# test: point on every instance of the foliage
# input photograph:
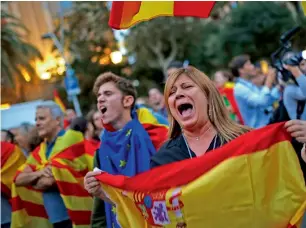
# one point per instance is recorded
(16, 54)
(209, 44)
(248, 27)
(254, 28)
(88, 44)
(158, 42)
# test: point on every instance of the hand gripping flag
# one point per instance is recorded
(11, 159)
(125, 14)
(253, 181)
(70, 159)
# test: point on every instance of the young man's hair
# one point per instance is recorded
(124, 85)
(238, 63)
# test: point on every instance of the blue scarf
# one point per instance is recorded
(125, 152)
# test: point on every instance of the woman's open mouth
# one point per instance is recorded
(185, 109)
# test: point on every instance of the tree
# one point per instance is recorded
(254, 28)
(156, 43)
(16, 54)
(89, 42)
(209, 44)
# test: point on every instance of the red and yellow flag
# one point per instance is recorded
(228, 92)
(11, 159)
(58, 101)
(70, 161)
(245, 183)
(125, 14)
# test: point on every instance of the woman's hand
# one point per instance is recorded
(303, 153)
(297, 129)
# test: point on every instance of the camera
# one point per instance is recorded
(296, 59)
(285, 55)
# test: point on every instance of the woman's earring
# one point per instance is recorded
(210, 113)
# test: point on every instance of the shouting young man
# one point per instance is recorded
(131, 136)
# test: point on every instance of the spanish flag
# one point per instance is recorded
(70, 162)
(228, 92)
(11, 159)
(125, 14)
(58, 101)
(253, 181)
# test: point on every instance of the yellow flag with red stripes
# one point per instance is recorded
(11, 159)
(253, 181)
(71, 158)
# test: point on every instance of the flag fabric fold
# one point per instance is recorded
(228, 92)
(245, 183)
(125, 14)
(70, 160)
(59, 101)
(11, 159)
(157, 132)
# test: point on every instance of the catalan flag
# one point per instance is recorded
(58, 101)
(125, 14)
(245, 183)
(11, 159)
(70, 161)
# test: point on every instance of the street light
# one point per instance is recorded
(116, 57)
(45, 75)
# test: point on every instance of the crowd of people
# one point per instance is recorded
(127, 135)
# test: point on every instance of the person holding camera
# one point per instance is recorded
(295, 93)
(252, 102)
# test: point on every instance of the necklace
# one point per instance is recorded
(198, 137)
(188, 148)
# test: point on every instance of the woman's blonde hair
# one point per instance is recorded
(218, 115)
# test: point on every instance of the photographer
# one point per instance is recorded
(295, 94)
(252, 101)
